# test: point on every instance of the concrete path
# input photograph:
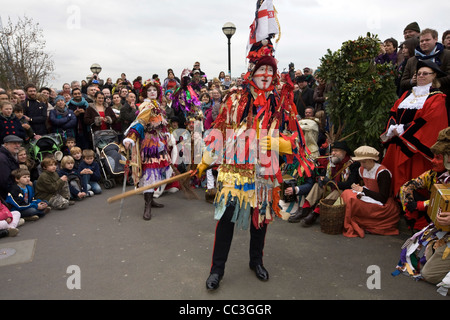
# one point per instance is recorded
(85, 253)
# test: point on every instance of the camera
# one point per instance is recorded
(292, 183)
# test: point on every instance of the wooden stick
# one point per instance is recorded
(152, 186)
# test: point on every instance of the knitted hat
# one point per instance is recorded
(412, 26)
(266, 60)
(442, 145)
(366, 153)
(59, 98)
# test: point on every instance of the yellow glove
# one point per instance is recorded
(268, 143)
(207, 160)
(201, 168)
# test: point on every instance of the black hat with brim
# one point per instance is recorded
(432, 65)
(341, 145)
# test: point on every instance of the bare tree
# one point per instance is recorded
(22, 54)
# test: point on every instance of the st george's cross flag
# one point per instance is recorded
(265, 24)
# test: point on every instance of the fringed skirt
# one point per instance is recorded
(155, 159)
(250, 196)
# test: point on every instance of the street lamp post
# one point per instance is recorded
(95, 69)
(229, 29)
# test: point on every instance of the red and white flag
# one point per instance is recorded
(264, 25)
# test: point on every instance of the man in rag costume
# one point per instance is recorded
(249, 182)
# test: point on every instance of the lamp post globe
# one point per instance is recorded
(229, 30)
(96, 68)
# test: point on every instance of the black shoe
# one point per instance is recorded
(212, 283)
(299, 215)
(155, 204)
(310, 219)
(4, 233)
(261, 272)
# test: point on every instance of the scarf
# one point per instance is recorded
(433, 56)
(83, 103)
(205, 107)
(61, 113)
(338, 172)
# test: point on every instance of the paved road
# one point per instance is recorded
(169, 257)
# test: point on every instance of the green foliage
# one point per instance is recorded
(362, 92)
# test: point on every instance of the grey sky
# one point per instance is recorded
(147, 37)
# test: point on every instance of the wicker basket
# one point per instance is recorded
(332, 216)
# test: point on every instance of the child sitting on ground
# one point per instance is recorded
(76, 154)
(76, 189)
(51, 187)
(21, 197)
(90, 172)
(9, 221)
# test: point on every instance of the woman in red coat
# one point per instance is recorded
(413, 127)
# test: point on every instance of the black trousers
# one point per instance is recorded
(224, 237)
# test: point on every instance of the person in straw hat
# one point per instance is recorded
(426, 255)
(370, 208)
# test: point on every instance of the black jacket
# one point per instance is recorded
(37, 111)
(11, 125)
(304, 99)
(7, 164)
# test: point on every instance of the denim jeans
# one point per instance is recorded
(31, 212)
(90, 185)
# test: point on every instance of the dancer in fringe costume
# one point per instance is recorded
(150, 140)
(249, 183)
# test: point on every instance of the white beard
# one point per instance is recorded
(335, 160)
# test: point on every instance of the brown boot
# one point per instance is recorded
(155, 204)
(148, 197)
(310, 219)
(299, 215)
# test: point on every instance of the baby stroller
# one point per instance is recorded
(46, 144)
(106, 145)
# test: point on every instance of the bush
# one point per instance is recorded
(363, 92)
